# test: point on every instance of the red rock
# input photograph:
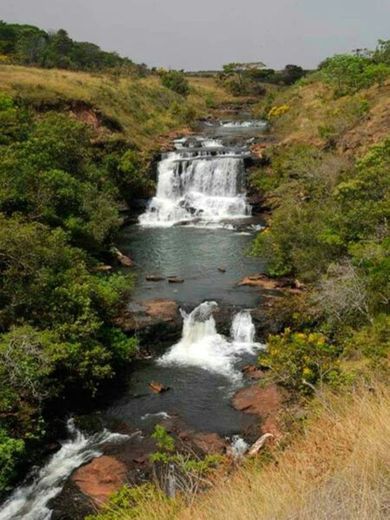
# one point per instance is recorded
(253, 372)
(265, 402)
(157, 388)
(258, 401)
(100, 478)
(209, 443)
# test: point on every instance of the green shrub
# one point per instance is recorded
(300, 360)
(175, 80)
(11, 450)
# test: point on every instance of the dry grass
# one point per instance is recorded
(339, 469)
(312, 106)
(142, 108)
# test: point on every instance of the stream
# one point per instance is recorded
(198, 228)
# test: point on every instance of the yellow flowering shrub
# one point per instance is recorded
(300, 360)
(278, 110)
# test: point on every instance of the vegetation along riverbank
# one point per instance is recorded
(81, 131)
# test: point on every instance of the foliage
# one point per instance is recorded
(248, 78)
(278, 111)
(371, 341)
(10, 451)
(175, 80)
(349, 73)
(129, 503)
(301, 360)
(58, 211)
(163, 440)
(29, 45)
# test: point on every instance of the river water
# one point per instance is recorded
(197, 227)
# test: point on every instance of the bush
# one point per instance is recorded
(300, 360)
(11, 450)
(175, 80)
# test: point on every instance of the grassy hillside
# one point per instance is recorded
(137, 110)
(310, 113)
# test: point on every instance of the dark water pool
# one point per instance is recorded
(194, 254)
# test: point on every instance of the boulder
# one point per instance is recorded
(209, 443)
(257, 400)
(221, 269)
(124, 260)
(154, 278)
(158, 388)
(100, 478)
(152, 320)
(175, 279)
(252, 372)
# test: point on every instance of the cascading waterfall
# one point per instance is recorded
(30, 501)
(202, 181)
(201, 345)
(243, 329)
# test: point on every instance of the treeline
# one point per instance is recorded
(59, 201)
(249, 78)
(29, 45)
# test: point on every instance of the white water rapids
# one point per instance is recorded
(30, 501)
(202, 181)
(201, 345)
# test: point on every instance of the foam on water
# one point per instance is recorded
(203, 347)
(201, 181)
(30, 501)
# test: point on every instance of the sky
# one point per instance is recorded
(205, 34)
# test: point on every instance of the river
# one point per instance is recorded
(197, 228)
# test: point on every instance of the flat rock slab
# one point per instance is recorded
(209, 443)
(100, 478)
(149, 313)
(258, 401)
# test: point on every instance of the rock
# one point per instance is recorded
(252, 372)
(209, 443)
(257, 400)
(264, 402)
(175, 279)
(124, 260)
(103, 268)
(151, 318)
(272, 284)
(221, 269)
(154, 278)
(259, 280)
(158, 388)
(100, 478)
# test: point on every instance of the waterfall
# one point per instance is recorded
(243, 329)
(30, 501)
(202, 180)
(201, 345)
